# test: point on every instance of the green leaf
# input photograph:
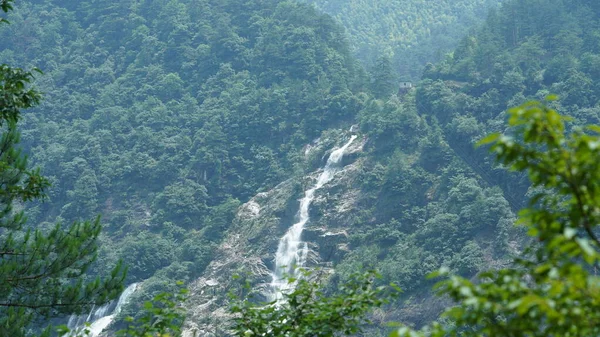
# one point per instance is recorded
(489, 139)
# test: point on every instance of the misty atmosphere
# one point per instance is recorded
(299, 168)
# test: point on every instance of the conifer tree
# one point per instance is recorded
(42, 272)
(383, 83)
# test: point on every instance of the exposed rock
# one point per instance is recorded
(249, 247)
(310, 147)
(329, 245)
(254, 223)
(212, 283)
(251, 209)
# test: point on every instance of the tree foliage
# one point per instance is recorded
(165, 115)
(552, 289)
(161, 317)
(524, 51)
(411, 32)
(42, 271)
(307, 311)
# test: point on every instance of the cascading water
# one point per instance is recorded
(101, 318)
(291, 251)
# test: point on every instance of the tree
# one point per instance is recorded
(5, 6)
(42, 271)
(384, 81)
(552, 289)
(161, 317)
(306, 311)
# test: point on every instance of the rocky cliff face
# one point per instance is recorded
(249, 248)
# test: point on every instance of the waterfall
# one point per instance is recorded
(101, 317)
(291, 251)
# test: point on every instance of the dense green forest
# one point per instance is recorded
(408, 33)
(162, 116)
(166, 116)
(525, 50)
(432, 199)
(519, 54)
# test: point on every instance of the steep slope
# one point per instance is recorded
(526, 50)
(164, 115)
(411, 33)
(251, 244)
(428, 198)
(421, 208)
(383, 210)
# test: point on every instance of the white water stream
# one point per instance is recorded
(101, 318)
(291, 251)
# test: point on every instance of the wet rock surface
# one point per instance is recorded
(250, 246)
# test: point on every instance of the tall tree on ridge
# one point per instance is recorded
(383, 83)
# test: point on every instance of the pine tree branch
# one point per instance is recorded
(44, 306)
(12, 253)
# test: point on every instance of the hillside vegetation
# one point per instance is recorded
(166, 116)
(163, 115)
(526, 50)
(408, 32)
(430, 198)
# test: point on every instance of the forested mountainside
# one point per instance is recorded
(194, 128)
(408, 33)
(526, 50)
(446, 203)
(163, 115)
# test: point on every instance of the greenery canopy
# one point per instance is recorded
(552, 289)
(166, 116)
(42, 270)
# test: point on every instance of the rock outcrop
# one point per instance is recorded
(250, 245)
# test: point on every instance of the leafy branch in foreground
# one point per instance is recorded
(550, 291)
(307, 311)
(162, 317)
(5, 6)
